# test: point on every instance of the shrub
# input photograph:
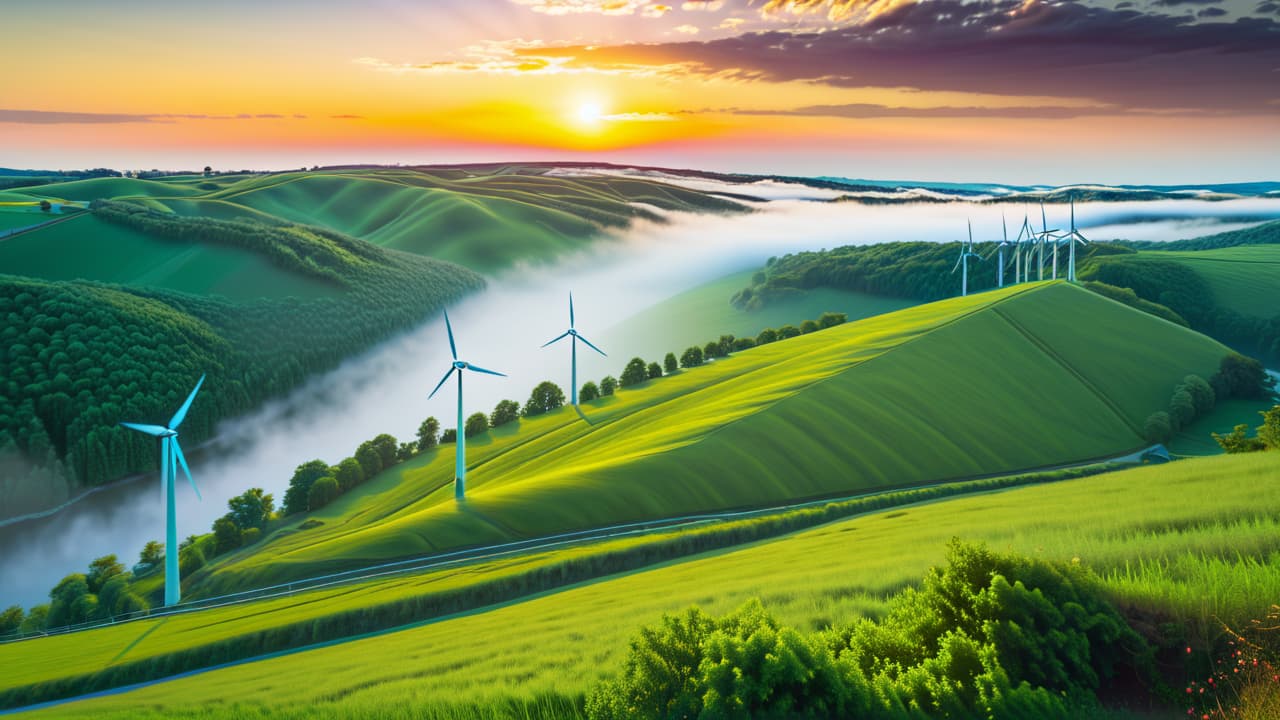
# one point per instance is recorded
(1244, 377)
(1269, 431)
(450, 435)
(152, 554)
(226, 534)
(1157, 428)
(406, 451)
(607, 385)
(808, 326)
(428, 433)
(711, 350)
(504, 412)
(670, 364)
(252, 508)
(655, 371)
(590, 391)
(477, 424)
(744, 344)
(692, 357)
(788, 331)
(370, 462)
(190, 560)
(348, 473)
(1202, 395)
(324, 491)
(11, 619)
(547, 396)
(767, 336)
(726, 345)
(831, 319)
(250, 536)
(1238, 441)
(1182, 409)
(296, 497)
(634, 373)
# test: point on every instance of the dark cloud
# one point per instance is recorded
(1268, 7)
(1124, 5)
(1211, 12)
(867, 111)
(1006, 47)
(1176, 3)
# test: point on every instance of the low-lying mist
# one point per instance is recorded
(502, 328)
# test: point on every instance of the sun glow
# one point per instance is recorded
(590, 113)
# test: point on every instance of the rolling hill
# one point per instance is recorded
(988, 384)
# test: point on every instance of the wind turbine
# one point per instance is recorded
(1025, 234)
(1046, 235)
(460, 459)
(572, 333)
(1072, 238)
(170, 457)
(999, 249)
(966, 252)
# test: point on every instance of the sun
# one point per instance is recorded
(590, 113)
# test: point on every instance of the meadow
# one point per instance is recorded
(1243, 279)
(1196, 540)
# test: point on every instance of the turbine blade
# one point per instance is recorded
(449, 328)
(181, 415)
(482, 370)
(155, 430)
(571, 310)
(441, 384)
(958, 261)
(182, 460)
(593, 347)
(1004, 224)
(558, 339)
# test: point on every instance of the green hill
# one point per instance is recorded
(1026, 377)
(111, 187)
(1243, 279)
(1189, 542)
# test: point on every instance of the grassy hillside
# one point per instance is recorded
(111, 187)
(1195, 540)
(1243, 279)
(926, 394)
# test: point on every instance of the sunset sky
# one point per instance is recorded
(983, 90)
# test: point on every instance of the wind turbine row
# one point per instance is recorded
(460, 456)
(1028, 249)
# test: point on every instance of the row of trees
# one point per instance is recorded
(1237, 377)
(102, 593)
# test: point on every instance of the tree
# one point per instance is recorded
(190, 560)
(427, 434)
(117, 599)
(101, 570)
(476, 424)
(743, 344)
(1182, 409)
(788, 331)
(726, 345)
(692, 357)
(152, 554)
(296, 497)
(808, 326)
(251, 509)
(607, 385)
(387, 447)
(370, 461)
(11, 619)
(831, 319)
(634, 373)
(504, 412)
(1202, 395)
(208, 171)
(1158, 428)
(406, 451)
(450, 435)
(1269, 431)
(547, 396)
(37, 620)
(767, 336)
(590, 391)
(1238, 441)
(1244, 377)
(45, 206)
(711, 350)
(324, 491)
(348, 473)
(226, 534)
(67, 604)
(670, 364)
(655, 370)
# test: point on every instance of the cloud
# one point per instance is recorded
(835, 10)
(732, 23)
(1268, 7)
(1034, 112)
(346, 117)
(1211, 12)
(702, 5)
(56, 117)
(687, 29)
(1017, 48)
(1178, 3)
(639, 117)
(655, 10)
(575, 7)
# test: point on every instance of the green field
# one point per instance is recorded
(755, 429)
(1197, 539)
(88, 248)
(114, 187)
(1245, 279)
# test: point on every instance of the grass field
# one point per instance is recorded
(988, 384)
(95, 188)
(1197, 539)
(1245, 279)
(88, 248)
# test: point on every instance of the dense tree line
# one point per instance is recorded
(81, 357)
(1237, 377)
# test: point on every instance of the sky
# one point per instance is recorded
(1016, 91)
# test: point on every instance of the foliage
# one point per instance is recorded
(808, 326)
(252, 508)
(297, 497)
(831, 319)
(691, 357)
(387, 448)
(767, 336)
(547, 396)
(634, 373)
(504, 412)
(226, 534)
(323, 491)
(1244, 377)
(607, 385)
(1269, 431)
(670, 364)
(1158, 427)
(589, 391)
(1129, 297)
(370, 460)
(11, 619)
(654, 371)
(152, 553)
(711, 350)
(476, 424)
(1243, 682)
(190, 559)
(449, 435)
(428, 434)
(349, 473)
(101, 570)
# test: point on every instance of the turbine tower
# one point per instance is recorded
(1045, 236)
(1026, 235)
(1072, 238)
(170, 457)
(966, 252)
(460, 459)
(576, 336)
(999, 251)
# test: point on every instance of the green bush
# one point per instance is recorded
(692, 357)
(477, 424)
(636, 372)
(607, 385)
(226, 534)
(547, 396)
(1158, 428)
(670, 364)
(504, 412)
(324, 491)
(767, 336)
(349, 472)
(590, 391)
(788, 331)
(655, 371)
(808, 326)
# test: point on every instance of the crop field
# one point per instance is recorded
(88, 248)
(1245, 279)
(753, 429)
(1197, 538)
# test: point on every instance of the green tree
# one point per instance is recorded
(476, 424)
(406, 451)
(1202, 395)
(634, 373)
(1182, 409)
(1269, 431)
(387, 447)
(670, 364)
(251, 509)
(607, 385)
(590, 391)
(226, 534)
(788, 331)
(744, 344)
(767, 336)
(67, 601)
(547, 396)
(1158, 428)
(504, 412)
(808, 326)
(1238, 441)
(655, 370)
(831, 319)
(296, 497)
(190, 560)
(427, 434)
(37, 620)
(101, 570)
(348, 473)
(1244, 377)
(726, 345)
(370, 462)
(117, 598)
(449, 435)
(11, 619)
(692, 357)
(324, 491)
(152, 554)
(711, 350)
